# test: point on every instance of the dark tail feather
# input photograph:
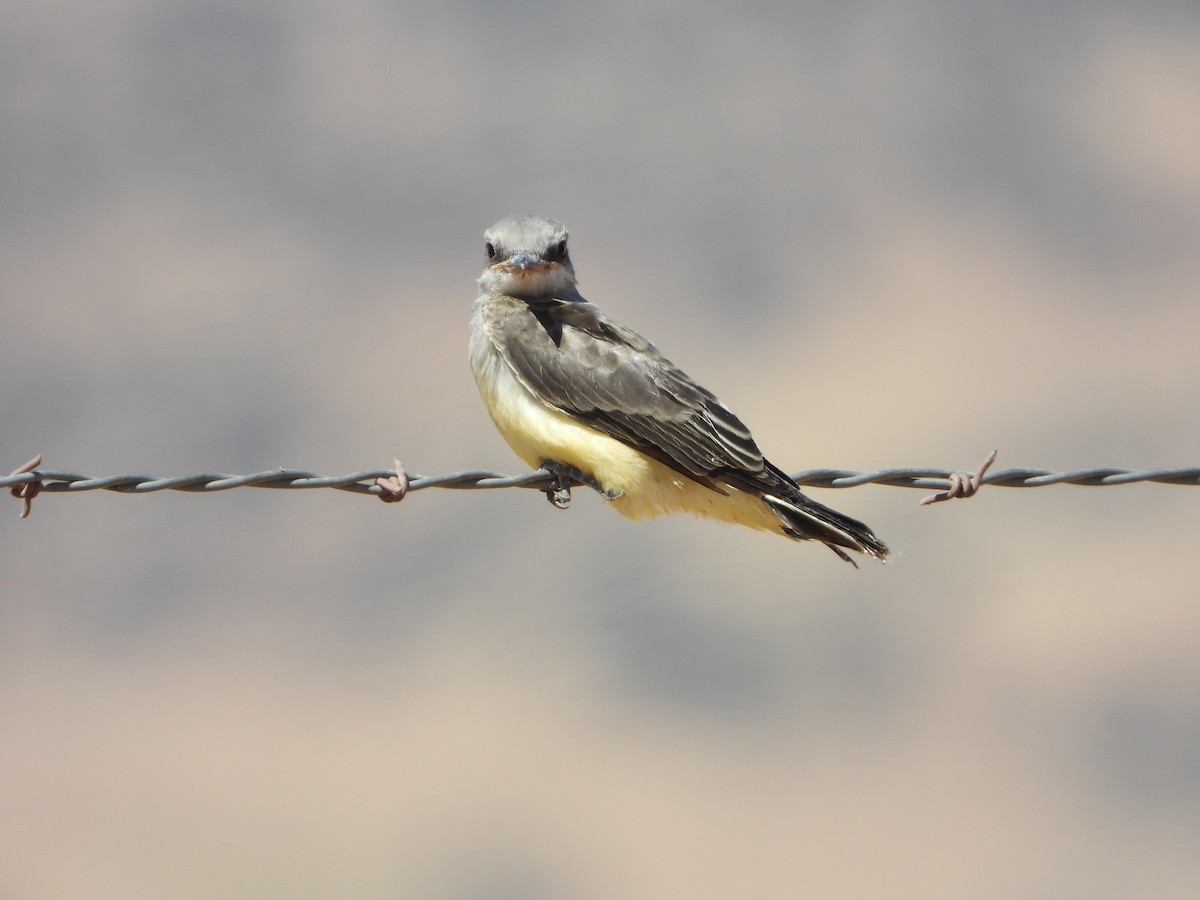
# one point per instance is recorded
(807, 520)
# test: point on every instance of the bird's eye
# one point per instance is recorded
(490, 250)
(559, 250)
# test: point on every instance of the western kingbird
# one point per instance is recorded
(591, 401)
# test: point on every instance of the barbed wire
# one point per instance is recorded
(27, 481)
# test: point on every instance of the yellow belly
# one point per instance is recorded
(645, 487)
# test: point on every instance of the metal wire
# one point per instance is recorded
(28, 480)
(57, 481)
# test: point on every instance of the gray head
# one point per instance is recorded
(527, 257)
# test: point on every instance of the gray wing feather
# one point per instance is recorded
(601, 373)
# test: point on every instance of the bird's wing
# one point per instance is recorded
(614, 380)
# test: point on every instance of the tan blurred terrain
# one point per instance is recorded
(235, 237)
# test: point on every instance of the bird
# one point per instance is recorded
(594, 403)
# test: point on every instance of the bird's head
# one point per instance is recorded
(527, 257)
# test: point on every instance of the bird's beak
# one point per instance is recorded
(523, 265)
(523, 260)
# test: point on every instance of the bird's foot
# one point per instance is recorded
(566, 477)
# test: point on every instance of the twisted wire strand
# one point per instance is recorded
(58, 481)
(363, 482)
(1100, 476)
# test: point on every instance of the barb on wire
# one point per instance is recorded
(29, 480)
(962, 485)
(393, 488)
(27, 491)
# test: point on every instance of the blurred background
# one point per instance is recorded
(240, 236)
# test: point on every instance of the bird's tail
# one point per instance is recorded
(804, 519)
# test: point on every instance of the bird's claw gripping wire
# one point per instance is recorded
(558, 492)
(566, 477)
(962, 485)
(393, 488)
(26, 492)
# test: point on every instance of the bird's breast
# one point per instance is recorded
(537, 431)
